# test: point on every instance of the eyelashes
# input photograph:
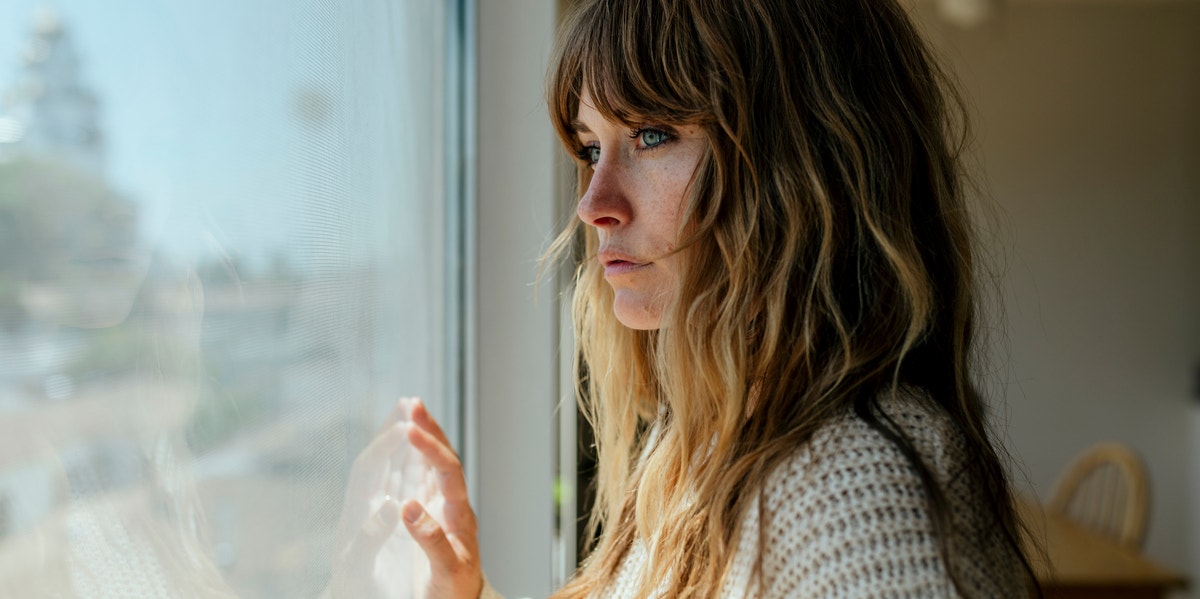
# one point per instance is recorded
(590, 155)
(651, 137)
(646, 139)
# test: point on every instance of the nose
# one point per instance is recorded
(605, 204)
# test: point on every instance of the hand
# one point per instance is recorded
(371, 561)
(445, 527)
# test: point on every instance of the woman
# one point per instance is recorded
(777, 310)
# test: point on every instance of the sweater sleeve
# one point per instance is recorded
(846, 518)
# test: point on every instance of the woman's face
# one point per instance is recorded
(639, 186)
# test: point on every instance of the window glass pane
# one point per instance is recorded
(223, 256)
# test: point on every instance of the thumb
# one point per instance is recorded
(430, 536)
(374, 533)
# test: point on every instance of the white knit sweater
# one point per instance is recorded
(846, 518)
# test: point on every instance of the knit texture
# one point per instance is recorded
(846, 517)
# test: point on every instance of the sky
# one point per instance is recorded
(197, 102)
(212, 110)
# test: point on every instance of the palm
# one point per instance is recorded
(409, 461)
(374, 561)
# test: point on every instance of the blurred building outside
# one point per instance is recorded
(68, 393)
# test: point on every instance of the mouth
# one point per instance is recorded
(620, 267)
(618, 264)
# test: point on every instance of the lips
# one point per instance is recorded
(618, 263)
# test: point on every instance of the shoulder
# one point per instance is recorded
(849, 459)
(847, 516)
(846, 511)
(848, 452)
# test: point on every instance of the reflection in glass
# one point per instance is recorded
(217, 273)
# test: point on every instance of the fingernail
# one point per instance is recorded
(412, 513)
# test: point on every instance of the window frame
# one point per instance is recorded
(512, 376)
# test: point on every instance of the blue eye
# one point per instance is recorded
(652, 137)
(590, 154)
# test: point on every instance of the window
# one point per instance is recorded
(231, 236)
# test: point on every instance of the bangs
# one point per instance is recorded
(639, 60)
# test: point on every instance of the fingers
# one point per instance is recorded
(374, 533)
(431, 441)
(385, 444)
(421, 417)
(400, 412)
(444, 462)
(390, 436)
(427, 437)
(430, 536)
(393, 434)
(451, 545)
(371, 470)
(453, 559)
(384, 468)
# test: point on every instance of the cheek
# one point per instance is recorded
(668, 200)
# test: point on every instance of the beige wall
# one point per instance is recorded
(1088, 127)
(514, 323)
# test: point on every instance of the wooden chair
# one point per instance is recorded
(1106, 491)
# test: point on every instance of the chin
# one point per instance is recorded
(637, 315)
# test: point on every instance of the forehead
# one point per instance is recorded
(590, 117)
(587, 116)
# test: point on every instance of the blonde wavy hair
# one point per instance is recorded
(829, 259)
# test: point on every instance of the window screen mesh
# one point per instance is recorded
(224, 253)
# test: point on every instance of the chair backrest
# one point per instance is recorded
(1106, 490)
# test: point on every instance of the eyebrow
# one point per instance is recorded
(579, 127)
